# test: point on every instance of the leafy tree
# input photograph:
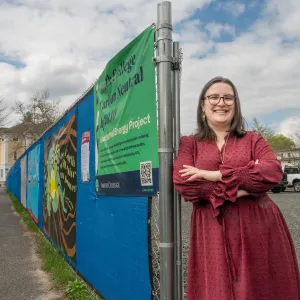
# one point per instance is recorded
(281, 142)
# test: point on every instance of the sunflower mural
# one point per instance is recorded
(56, 192)
(59, 209)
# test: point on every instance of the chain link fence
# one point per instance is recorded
(154, 238)
(184, 219)
(154, 224)
(154, 247)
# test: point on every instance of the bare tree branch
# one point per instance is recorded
(294, 155)
(4, 113)
(37, 114)
(263, 130)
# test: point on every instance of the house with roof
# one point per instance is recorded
(14, 141)
(289, 157)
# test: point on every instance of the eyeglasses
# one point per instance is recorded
(215, 99)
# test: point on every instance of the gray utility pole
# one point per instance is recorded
(164, 61)
(177, 198)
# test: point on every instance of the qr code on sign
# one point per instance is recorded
(146, 173)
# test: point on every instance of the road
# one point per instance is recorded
(288, 202)
(20, 275)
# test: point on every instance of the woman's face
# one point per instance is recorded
(219, 111)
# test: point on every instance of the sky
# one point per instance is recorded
(65, 45)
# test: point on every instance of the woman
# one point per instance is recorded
(240, 247)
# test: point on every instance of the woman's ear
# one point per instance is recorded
(202, 105)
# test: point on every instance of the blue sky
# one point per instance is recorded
(243, 18)
(221, 12)
(11, 61)
(64, 46)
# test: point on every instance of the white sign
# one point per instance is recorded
(85, 156)
(23, 180)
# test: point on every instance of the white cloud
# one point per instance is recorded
(66, 44)
(290, 126)
(216, 29)
(253, 3)
(264, 68)
(285, 14)
(233, 7)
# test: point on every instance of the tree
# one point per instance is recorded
(281, 142)
(295, 154)
(4, 113)
(38, 113)
(263, 130)
(296, 134)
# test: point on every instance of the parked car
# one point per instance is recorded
(293, 177)
(281, 187)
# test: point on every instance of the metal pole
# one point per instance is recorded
(174, 190)
(177, 197)
(164, 62)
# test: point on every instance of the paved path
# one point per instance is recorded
(20, 274)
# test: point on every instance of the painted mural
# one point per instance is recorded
(33, 182)
(59, 208)
(23, 180)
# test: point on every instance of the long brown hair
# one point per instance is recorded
(237, 128)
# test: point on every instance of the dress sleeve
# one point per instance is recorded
(190, 191)
(261, 174)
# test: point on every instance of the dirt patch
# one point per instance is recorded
(44, 282)
(28, 233)
(15, 213)
(43, 278)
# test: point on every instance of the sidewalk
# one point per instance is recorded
(20, 274)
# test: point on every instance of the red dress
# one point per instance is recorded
(240, 249)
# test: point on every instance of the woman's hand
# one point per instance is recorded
(242, 193)
(196, 174)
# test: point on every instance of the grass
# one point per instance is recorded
(62, 274)
(23, 213)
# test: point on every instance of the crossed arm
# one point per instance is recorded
(228, 183)
(191, 173)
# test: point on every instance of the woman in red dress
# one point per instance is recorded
(240, 245)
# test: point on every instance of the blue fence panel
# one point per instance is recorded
(41, 190)
(60, 191)
(112, 232)
(33, 181)
(13, 180)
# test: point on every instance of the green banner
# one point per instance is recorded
(125, 117)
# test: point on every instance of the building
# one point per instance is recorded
(289, 157)
(13, 142)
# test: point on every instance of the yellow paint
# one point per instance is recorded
(53, 187)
